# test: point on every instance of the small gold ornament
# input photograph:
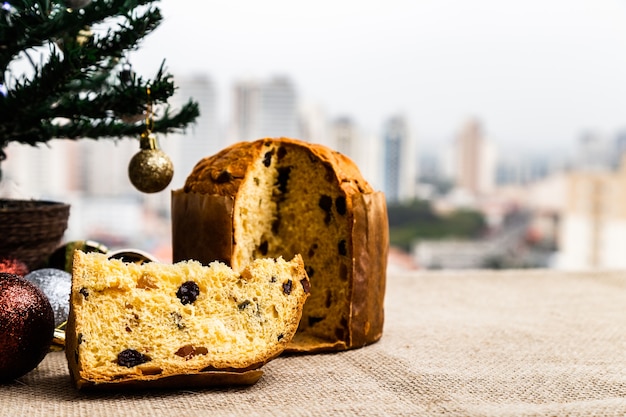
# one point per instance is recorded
(150, 170)
(66, 41)
(84, 35)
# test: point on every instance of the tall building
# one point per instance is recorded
(473, 160)
(400, 161)
(593, 222)
(519, 169)
(246, 110)
(102, 167)
(594, 152)
(314, 126)
(345, 137)
(264, 109)
(39, 172)
(200, 139)
(279, 115)
(619, 149)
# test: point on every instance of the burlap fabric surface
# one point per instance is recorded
(532, 343)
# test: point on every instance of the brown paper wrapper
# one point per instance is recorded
(202, 229)
(370, 237)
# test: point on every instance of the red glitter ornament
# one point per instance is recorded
(26, 326)
(13, 266)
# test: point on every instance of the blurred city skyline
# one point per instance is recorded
(545, 211)
(537, 74)
(516, 111)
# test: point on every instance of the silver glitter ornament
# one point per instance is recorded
(56, 284)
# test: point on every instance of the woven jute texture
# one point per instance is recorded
(515, 343)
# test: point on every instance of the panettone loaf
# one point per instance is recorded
(179, 325)
(282, 197)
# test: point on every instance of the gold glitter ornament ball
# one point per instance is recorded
(150, 170)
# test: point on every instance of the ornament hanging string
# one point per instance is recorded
(149, 114)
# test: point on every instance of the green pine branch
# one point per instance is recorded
(83, 88)
(34, 23)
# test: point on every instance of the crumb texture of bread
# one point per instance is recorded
(155, 321)
(292, 197)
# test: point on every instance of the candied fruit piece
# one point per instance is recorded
(287, 286)
(343, 250)
(146, 282)
(309, 271)
(283, 178)
(130, 358)
(224, 176)
(312, 250)
(184, 351)
(314, 320)
(263, 248)
(276, 224)
(340, 204)
(267, 158)
(188, 292)
(243, 305)
(150, 370)
(326, 202)
(282, 151)
(306, 285)
(189, 351)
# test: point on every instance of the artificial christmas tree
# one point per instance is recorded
(65, 74)
(77, 81)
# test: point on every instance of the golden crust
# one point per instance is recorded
(222, 173)
(189, 380)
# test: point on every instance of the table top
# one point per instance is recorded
(470, 343)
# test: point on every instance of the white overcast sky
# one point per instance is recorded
(535, 72)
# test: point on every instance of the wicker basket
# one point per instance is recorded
(30, 230)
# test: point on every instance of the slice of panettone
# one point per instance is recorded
(179, 325)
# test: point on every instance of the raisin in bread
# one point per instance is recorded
(281, 197)
(179, 325)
